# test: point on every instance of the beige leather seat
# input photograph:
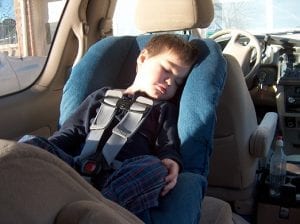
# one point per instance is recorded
(37, 187)
(239, 142)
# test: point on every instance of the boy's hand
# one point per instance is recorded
(171, 179)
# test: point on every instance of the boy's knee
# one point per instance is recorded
(193, 178)
(192, 182)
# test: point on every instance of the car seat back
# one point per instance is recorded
(37, 187)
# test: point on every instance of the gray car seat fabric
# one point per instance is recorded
(112, 62)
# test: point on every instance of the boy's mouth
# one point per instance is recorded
(161, 88)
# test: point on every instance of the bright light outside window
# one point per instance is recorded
(123, 20)
(257, 17)
(26, 33)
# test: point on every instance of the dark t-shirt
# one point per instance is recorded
(156, 136)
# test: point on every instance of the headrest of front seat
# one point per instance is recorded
(168, 15)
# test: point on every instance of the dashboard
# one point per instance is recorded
(280, 69)
(276, 85)
(281, 53)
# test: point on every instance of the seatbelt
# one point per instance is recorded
(137, 112)
(102, 120)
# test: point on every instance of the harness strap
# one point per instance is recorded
(102, 120)
(137, 112)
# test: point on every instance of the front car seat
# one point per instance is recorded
(37, 187)
(239, 142)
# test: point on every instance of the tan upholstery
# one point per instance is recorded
(239, 140)
(37, 186)
(216, 211)
(261, 139)
(221, 210)
(166, 15)
(88, 212)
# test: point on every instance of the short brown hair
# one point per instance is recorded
(187, 51)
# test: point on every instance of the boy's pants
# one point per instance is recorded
(136, 185)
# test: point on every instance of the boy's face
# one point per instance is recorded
(159, 76)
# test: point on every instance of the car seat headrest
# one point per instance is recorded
(168, 15)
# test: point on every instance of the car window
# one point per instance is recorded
(123, 19)
(26, 32)
(256, 17)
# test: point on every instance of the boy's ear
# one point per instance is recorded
(142, 56)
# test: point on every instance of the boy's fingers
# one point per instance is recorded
(170, 177)
(166, 189)
(170, 185)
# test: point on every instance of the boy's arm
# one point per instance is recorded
(71, 136)
(168, 143)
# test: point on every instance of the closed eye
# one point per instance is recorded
(167, 70)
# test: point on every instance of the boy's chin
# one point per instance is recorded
(161, 97)
(158, 96)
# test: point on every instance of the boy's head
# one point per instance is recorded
(163, 65)
(186, 51)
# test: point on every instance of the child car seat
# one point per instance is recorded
(111, 62)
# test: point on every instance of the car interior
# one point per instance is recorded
(231, 125)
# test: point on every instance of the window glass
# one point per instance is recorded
(123, 19)
(257, 17)
(27, 28)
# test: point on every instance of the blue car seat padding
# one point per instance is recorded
(112, 62)
(197, 112)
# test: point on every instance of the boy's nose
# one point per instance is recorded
(168, 80)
